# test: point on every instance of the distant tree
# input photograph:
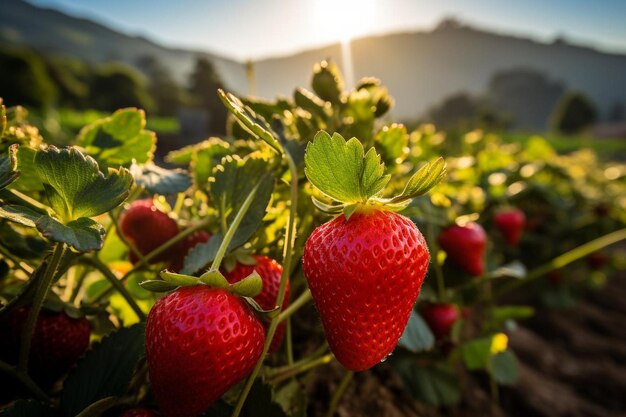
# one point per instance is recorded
(458, 110)
(24, 79)
(71, 77)
(203, 85)
(526, 96)
(116, 86)
(164, 90)
(574, 112)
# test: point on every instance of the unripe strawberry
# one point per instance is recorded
(440, 318)
(511, 223)
(200, 341)
(147, 228)
(139, 412)
(465, 246)
(270, 272)
(58, 341)
(365, 274)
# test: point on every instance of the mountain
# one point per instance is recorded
(419, 68)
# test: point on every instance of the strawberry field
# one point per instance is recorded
(318, 260)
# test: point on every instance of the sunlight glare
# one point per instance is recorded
(343, 20)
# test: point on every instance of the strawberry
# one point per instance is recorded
(440, 318)
(365, 274)
(200, 341)
(139, 412)
(178, 254)
(465, 246)
(58, 342)
(511, 223)
(147, 228)
(270, 272)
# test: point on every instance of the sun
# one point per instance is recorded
(342, 20)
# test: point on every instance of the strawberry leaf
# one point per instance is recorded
(422, 181)
(119, 139)
(250, 121)
(19, 214)
(417, 336)
(105, 371)
(342, 171)
(159, 180)
(503, 367)
(437, 385)
(250, 286)
(201, 158)
(8, 167)
(84, 234)
(392, 143)
(74, 185)
(157, 285)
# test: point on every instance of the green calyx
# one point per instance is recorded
(248, 287)
(354, 180)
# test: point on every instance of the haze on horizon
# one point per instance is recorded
(249, 29)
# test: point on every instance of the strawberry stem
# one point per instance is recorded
(25, 380)
(304, 298)
(287, 256)
(234, 226)
(334, 402)
(116, 283)
(566, 259)
(40, 295)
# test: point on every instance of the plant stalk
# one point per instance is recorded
(334, 402)
(287, 256)
(25, 380)
(40, 295)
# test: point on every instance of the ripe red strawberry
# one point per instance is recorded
(139, 412)
(270, 272)
(440, 318)
(147, 228)
(511, 223)
(179, 252)
(365, 274)
(58, 342)
(465, 246)
(200, 341)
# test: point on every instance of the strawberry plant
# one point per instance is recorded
(315, 234)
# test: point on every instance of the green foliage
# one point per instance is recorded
(105, 371)
(24, 79)
(120, 139)
(573, 113)
(203, 81)
(417, 336)
(433, 384)
(116, 86)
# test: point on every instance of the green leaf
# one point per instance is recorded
(234, 180)
(250, 121)
(157, 180)
(292, 398)
(84, 234)
(3, 118)
(515, 269)
(311, 103)
(206, 159)
(119, 139)
(260, 402)
(202, 254)
(423, 180)
(417, 336)
(250, 286)
(20, 214)
(437, 385)
(8, 167)
(74, 185)
(476, 353)
(105, 371)
(504, 368)
(178, 279)
(327, 81)
(156, 285)
(502, 313)
(342, 171)
(29, 179)
(392, 143)
(27, 408)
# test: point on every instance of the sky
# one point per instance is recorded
(251, 29)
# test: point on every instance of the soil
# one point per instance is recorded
(572, 363)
